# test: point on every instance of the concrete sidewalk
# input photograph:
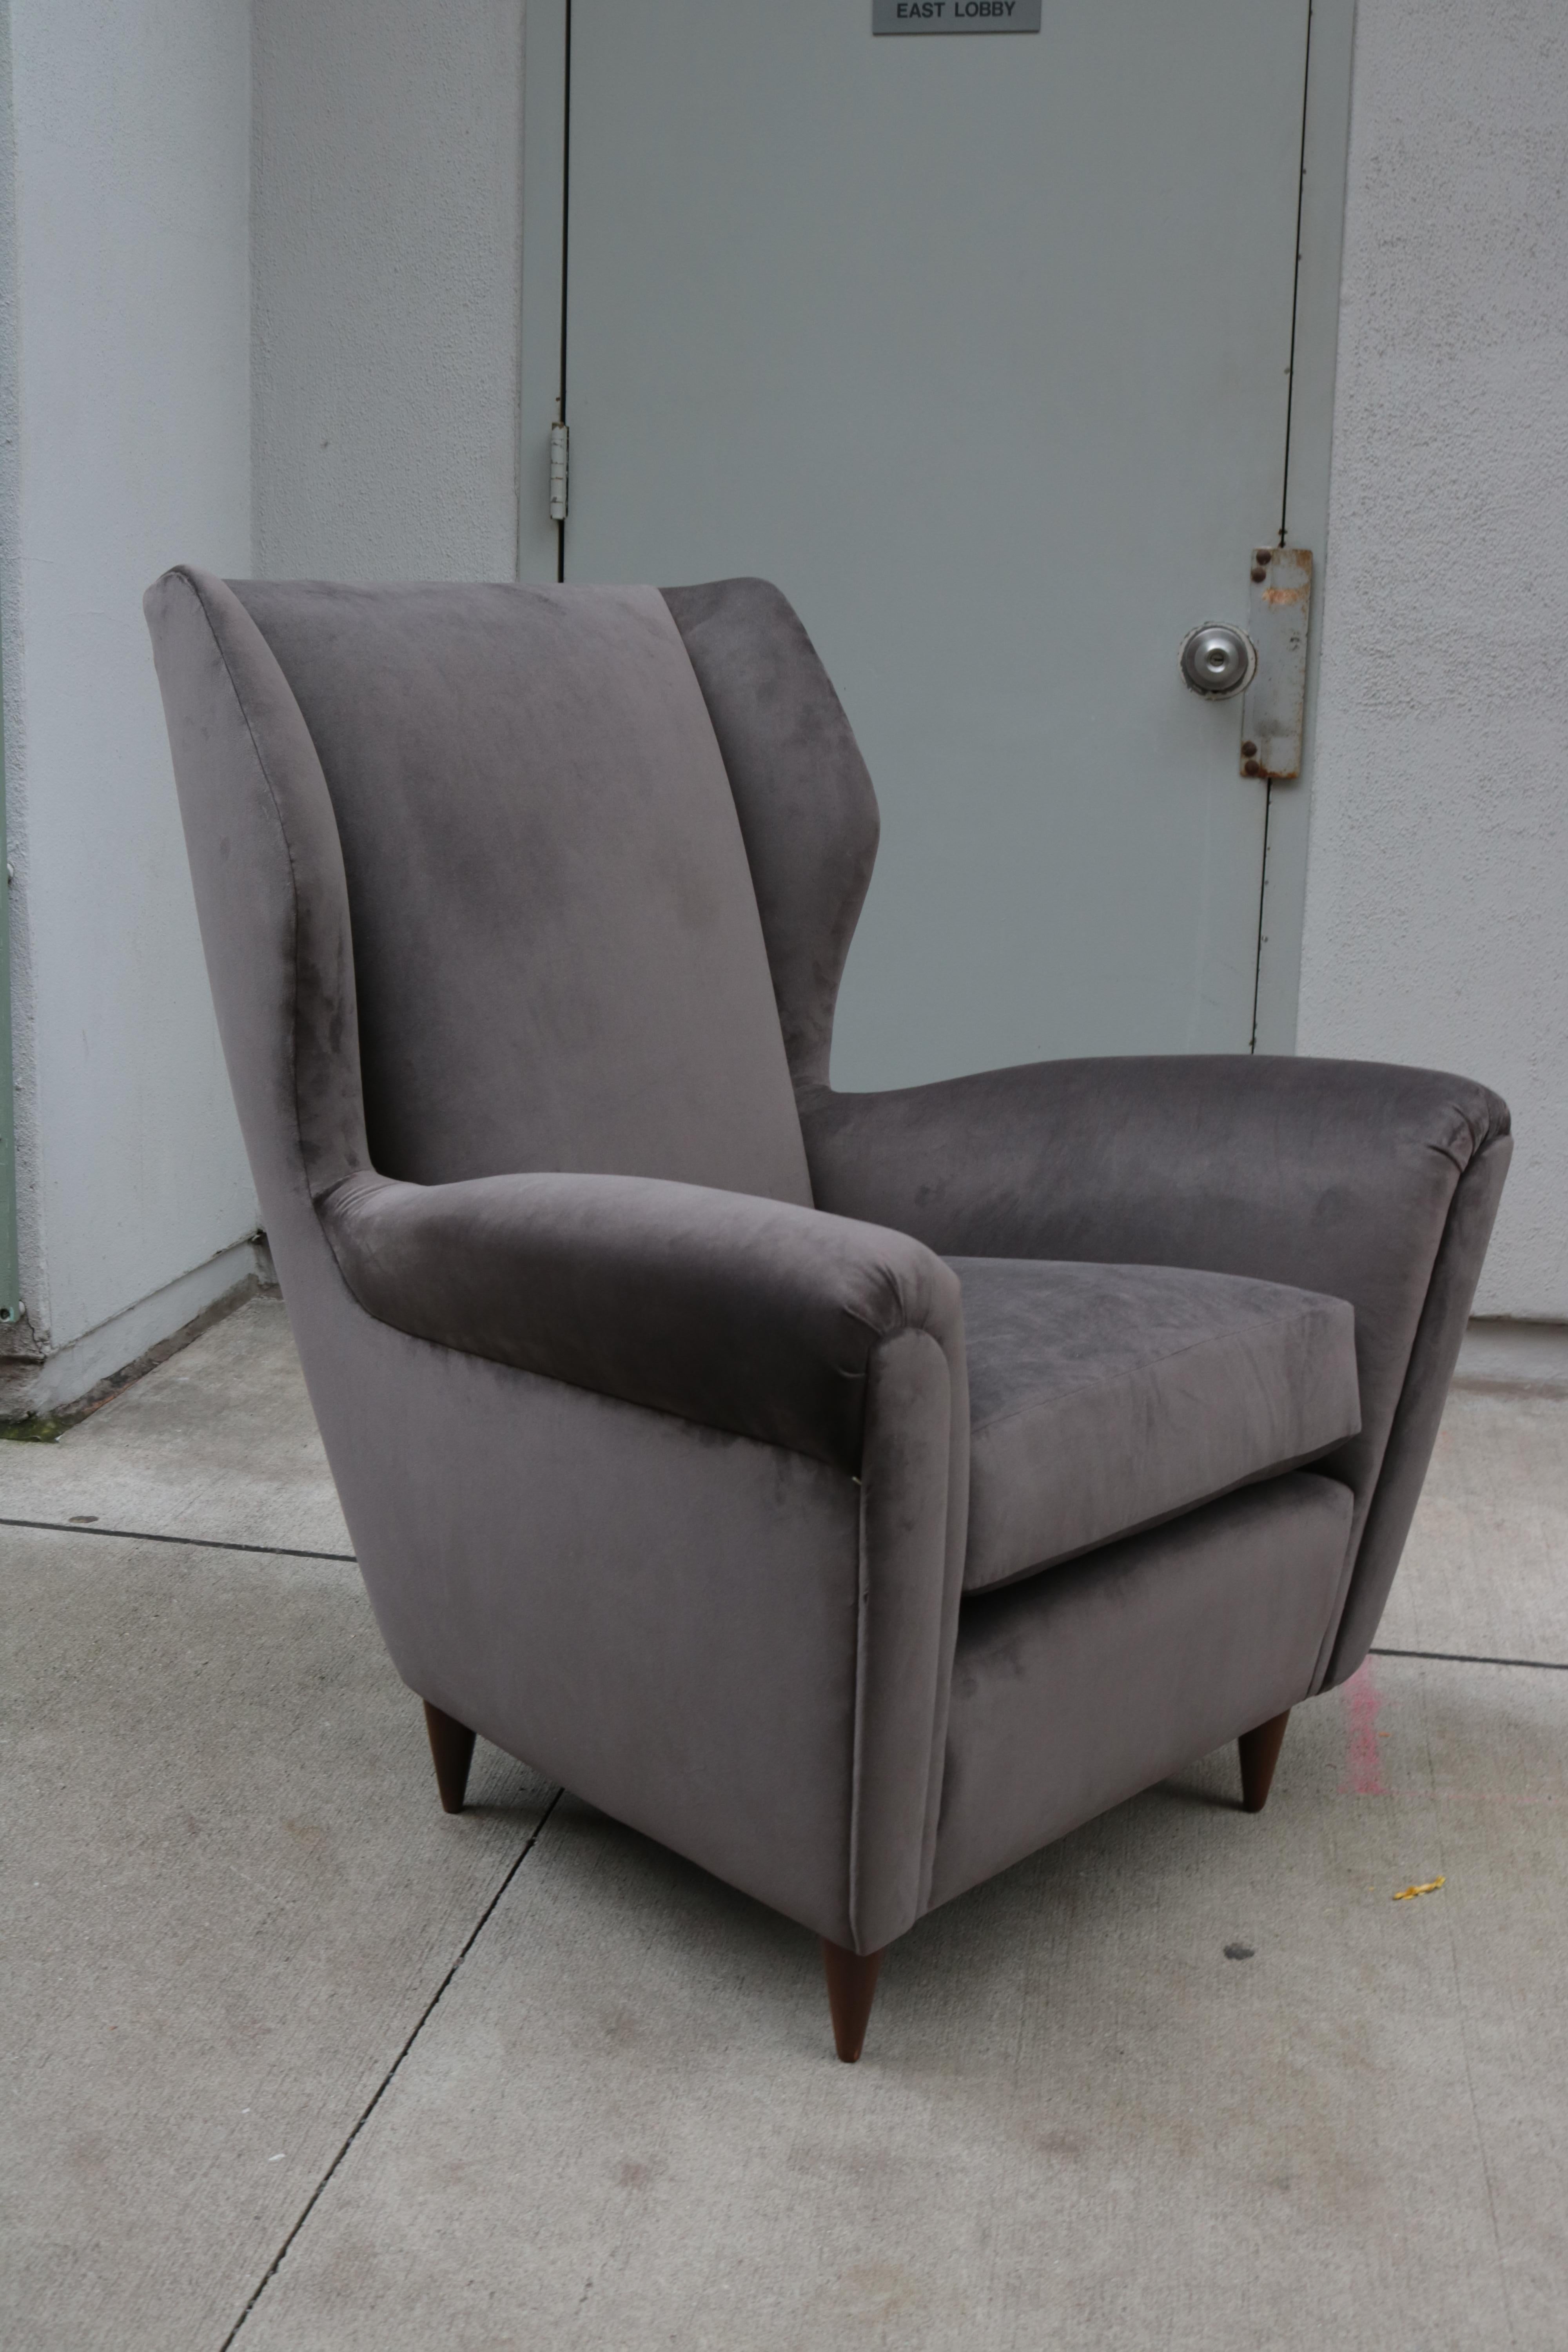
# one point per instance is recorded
(293, 2060)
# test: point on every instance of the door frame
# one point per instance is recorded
(10, 1296)
(1323, 139)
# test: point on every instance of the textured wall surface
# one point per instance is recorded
(1437, 889)
(126, 380)
(387, 282)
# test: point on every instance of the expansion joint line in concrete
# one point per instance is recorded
(292, 1552)
(387, 2079)
(295, 1551)
(197, 1543)
(1465, 1658)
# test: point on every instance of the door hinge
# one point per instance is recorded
(560, 448)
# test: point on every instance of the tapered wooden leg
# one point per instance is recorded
(851, 1990)
(1259, 1754)
(452, 1746)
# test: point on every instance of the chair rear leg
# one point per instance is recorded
(851, 1990)
(1259, 1752)
(452, 1747)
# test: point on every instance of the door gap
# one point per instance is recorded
(1296, 272)
(565, 255)
(1284, 488)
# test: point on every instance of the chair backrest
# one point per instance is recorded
(558, 958)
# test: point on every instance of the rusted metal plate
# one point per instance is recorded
(1274, 708)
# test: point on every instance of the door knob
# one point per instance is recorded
(1217, 661)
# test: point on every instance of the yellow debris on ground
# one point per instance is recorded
(1431, 1887)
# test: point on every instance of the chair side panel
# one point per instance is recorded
(663, 1618)
(1413, 1432)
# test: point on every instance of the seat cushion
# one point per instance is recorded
(1106, 1397)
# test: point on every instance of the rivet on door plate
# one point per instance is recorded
(1278, 611)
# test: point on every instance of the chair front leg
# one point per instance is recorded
(452, 1749)
(1259, 1752)
(851, 1990)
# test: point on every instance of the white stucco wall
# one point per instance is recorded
(387, 285)
(126, 372)
(1437, 922)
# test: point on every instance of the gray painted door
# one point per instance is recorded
(981, 348)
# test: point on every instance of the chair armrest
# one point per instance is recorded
(1288, 1170)
(730, 1310)
(1370, 1182)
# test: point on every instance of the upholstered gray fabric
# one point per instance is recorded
(557, 952)
(732, 1647)
(808, 814)
(746, 1314)
(270, 895)
(1076, 1690)
(582, 1175)
(601, 1589)
(1339, 1176)
(1104, 1398)
(913, 1502)
(1460, 1255)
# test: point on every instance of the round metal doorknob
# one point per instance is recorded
(1218, 660)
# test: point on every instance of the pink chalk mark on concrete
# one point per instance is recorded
(1361, 1700)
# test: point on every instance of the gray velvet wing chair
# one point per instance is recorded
(853, 1492)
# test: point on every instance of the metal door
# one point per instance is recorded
(981, 347)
